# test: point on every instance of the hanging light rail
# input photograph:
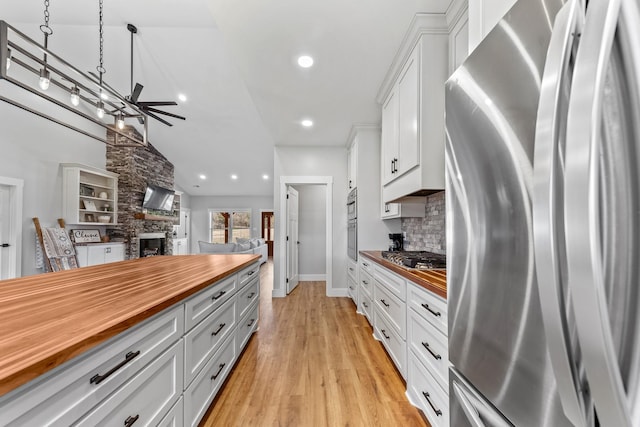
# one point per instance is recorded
(21, 62)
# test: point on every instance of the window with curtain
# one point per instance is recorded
(226, 225)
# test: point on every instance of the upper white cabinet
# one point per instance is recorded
(352, 166)
(89, 195)
(412, 99)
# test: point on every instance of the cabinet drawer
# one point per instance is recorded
(199, 395)
(425, 392)
(428, 305)
(396, 284)
(430, 346)
(146, 398)
(246, 327)
(203, 340)
(352, 289)
(247, 296)
(66, 393)
(175, 417)
(352, 269)
(391, 305)
(366, 265)
(366, 283)
(248, 273)
(366, 306)
(395, 345)
(202, 304)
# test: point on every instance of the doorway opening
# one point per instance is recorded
(280, 257)
(268, 230)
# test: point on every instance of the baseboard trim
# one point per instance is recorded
(278, 293)
(338, 293)
(313, 277)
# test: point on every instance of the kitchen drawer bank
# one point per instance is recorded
(409, 319)
(150, 374)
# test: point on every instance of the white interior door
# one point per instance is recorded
(292, 239)
(7, 246)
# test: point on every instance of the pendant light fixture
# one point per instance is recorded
(75, 96)
(45, 75)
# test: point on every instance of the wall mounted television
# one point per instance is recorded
(158, 198)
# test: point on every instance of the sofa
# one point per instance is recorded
(242, 246)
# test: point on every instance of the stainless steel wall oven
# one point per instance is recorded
(352, 225)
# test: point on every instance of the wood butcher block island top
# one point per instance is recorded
(432, 280)
(48, 319)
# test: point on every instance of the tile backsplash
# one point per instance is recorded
(428, 233)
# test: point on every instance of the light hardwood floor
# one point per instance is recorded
(313, 362)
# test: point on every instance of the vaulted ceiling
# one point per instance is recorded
(235, 60)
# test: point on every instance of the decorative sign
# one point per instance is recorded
(86, 236)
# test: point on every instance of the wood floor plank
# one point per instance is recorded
(312, 362)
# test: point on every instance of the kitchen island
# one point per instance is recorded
(51, 322)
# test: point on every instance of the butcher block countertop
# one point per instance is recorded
(48, 319)
(432, 280)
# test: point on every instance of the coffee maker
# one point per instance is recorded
(396, 242)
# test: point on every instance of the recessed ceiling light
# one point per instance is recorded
(305, 61)
(202, 176)
(182, 97)
(234, 176)
(306, 123)
(265, 176)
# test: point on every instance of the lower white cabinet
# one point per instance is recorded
(199, 395)
(425, 393)
(175, 417)
(180, 246)
(147, 398)
(394, 344)
(99, 253)
(164, 371)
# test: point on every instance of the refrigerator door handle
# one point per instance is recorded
(583, 214)
(471, 413)
(550, 133)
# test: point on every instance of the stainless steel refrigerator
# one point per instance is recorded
(543, 225)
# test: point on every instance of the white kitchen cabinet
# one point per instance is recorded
(99, 253)
(352, 166)
(412, 99)
(89, 195)
(180, 246)
(412, 209)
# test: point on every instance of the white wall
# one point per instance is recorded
(315, 161)
(32, 148)
(200, 206)
(483, 16)
(312, 219)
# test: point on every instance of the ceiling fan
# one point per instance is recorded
(147, 106)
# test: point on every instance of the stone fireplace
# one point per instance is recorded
(136, 168)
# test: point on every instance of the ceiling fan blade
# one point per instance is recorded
(136, 93)
(156, 103)
(154, 110)
(158, 119)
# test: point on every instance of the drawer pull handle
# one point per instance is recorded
(215, 297)
(350, 268)
(251, 322)
(384, 303)
(365, 282)
(214, 333)
(434, 354)
(130, 420)
(435, 313)
(250, 273)
(251, 295)
(384, 333)
(217, 374)
(365, 264)
(97, 378)
(428, 397)
(365, 305)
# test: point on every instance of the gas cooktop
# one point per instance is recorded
(420, 260)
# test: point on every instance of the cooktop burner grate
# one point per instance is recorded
(421, 260)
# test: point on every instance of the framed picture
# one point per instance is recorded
(85, 190)
(86, 236)
(90, 205)
(89, 218)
